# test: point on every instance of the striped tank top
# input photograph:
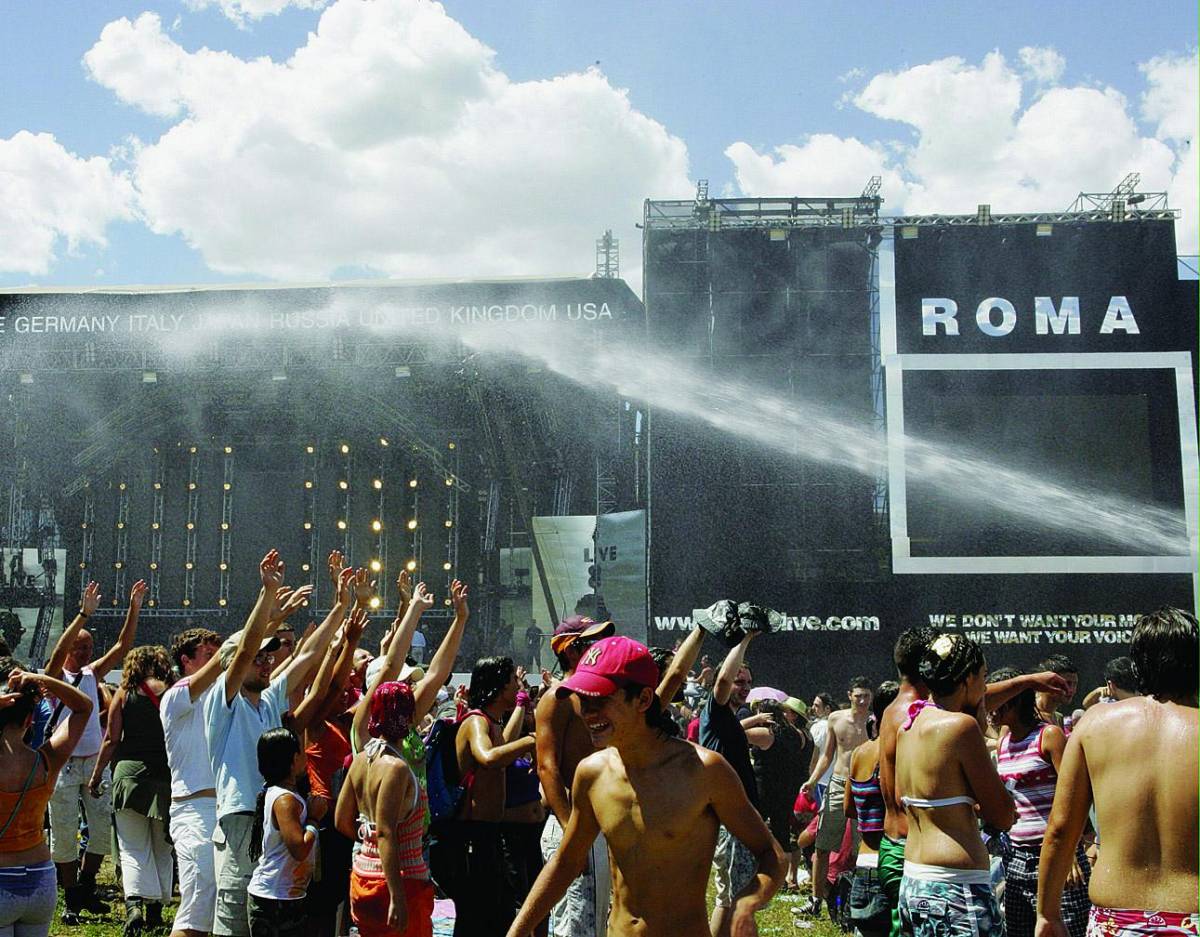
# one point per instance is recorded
(1031, 777)
(410, 833)
(868, 803)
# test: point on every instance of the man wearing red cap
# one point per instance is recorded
(658, 801)
(562, 743)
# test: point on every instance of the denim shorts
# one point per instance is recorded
(27, 897)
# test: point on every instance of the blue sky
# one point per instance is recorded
(707, 75)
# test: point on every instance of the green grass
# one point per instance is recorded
(776, 920)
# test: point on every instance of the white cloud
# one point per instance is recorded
(388, 141)
(1041, 64)
(241, 10)
(49, 195)
(972, 141)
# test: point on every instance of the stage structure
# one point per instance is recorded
(176, 434)
(987, 423)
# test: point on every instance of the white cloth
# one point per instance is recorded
(187, 747)
(64, 812)
(233, 731)
(279, 874)
(417, 650)
(583, 910)
(819, 731)
(192, 825)
(146, 868)
(90, 741)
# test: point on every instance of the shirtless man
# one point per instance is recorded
(1145, 881)
(562, 743)
(910, 647)
(847, 730)
(657, 800)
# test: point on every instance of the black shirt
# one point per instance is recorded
(721, 732)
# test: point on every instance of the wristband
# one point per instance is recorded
(83, 614)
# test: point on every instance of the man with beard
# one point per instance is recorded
(243, 704)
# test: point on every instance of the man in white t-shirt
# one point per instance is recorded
(193, 790)
(71, 660)
(245, 701)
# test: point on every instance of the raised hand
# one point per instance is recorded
(289, 601)
(422, 597)
(458, 597)
(357, 624)
(364, 589)
(336, 564)
(521, 672)
(547, 678)
(344, 581)
(91, 598)
(1049, 682)
(404, 586)
(271, 570)
(137, 594)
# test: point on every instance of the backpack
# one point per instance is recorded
(444, 783)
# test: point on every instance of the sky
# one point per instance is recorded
(216, 141)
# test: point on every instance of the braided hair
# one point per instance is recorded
(948, 661)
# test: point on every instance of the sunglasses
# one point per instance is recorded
(260, 659)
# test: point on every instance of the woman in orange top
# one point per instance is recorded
(27, 776)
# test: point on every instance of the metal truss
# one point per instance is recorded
(193, 518)
(608, 257)
(226, 526)
(121, 554)
(88, 546)
(156, 530)
(315, 563)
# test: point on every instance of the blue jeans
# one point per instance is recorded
(27, 896)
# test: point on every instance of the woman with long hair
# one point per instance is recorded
(943, 772)
(141, 792)
(1028, 759)
(383, 806)
(779, 769)
(28, 886)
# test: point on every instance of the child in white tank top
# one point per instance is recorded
(282, 841)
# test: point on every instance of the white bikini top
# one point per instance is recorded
(938, 801)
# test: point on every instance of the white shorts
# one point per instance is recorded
(64, 812)
(583, 910)
(192, 826)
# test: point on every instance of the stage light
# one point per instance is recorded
(278, 375)
(118, 565)
(26, 377)
(223, 566)
(152, 603)
(377, 484)
(153, 566)
(155, 525)
(1045, 230)
(191, 526)
(376, 566)
(412, 525)
(304, 567)
(224, 526)
(375, 601)
(449, 482)
(345, 449)
(377, 525)
(83, 565)
(383, 442)
(158, 486)
(191, 486)
(114, 601)
(227, 486)
(341, 525)
(84, 525)
(449, 523)
(228, 450)
(308, 484)
(447, 602)
(343, 484)
(120, 525)
(187, 602)
(189, 566)
(308, 525)
(453, 446)
(192, 450)
(909, 231)
(403, 370)
(121, 486)
(309, 450)
(222, 602)
(149, 377)
(411, 566)
(446, 567)
(412, 483)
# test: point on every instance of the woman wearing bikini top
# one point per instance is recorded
(944, 775)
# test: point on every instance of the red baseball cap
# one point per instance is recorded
(610, 664)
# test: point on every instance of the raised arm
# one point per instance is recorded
(270, 572)
(681, 664)
(568, 862)
(723, 688)
(1000, 693)
(61, 744)
(302, 664)
(442, 665)
(326, 692)
(486, 754)
(115, 654)
(422, 599)
(88, 604)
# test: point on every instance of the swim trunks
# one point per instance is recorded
(1122, 922)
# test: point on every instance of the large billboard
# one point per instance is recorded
(1037, 428)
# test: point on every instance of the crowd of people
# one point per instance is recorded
(291, 783)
